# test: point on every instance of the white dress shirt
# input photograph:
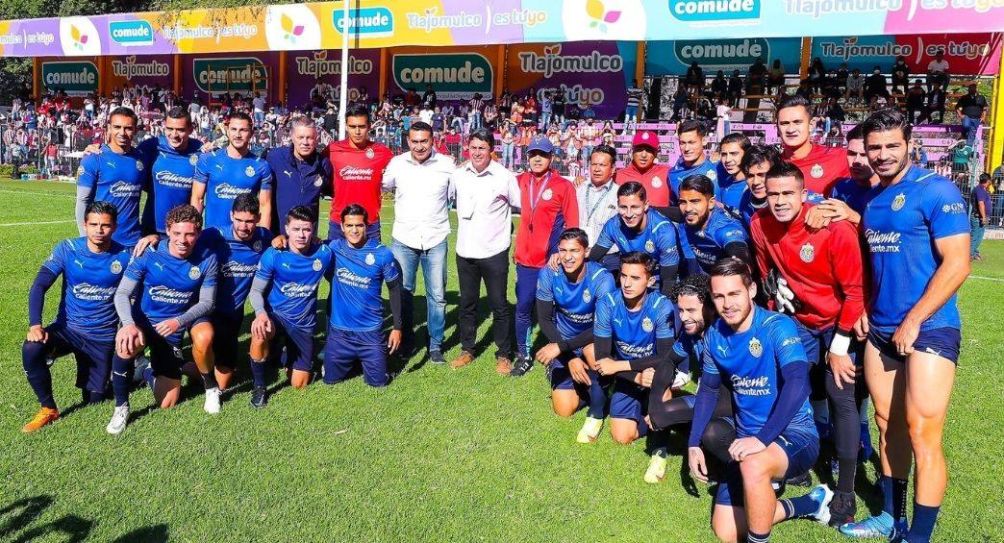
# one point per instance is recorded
(422, 192)
(484, 209)
(596, 206)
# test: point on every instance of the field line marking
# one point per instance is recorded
(8, 191)
(34, 223)
(985, 278)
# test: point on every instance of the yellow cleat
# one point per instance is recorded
(45, 415)
(656, 471)
(590, 430)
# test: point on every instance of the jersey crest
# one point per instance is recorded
(899, 201)
(194, 273)
(317, 264)
(193, 159)
(816, 171)
(249, 171)
(756, 348)
(116, 267)
(656, 182)
(807, 253)
(548, 194)
(586, 296)
(369, 153)
(370, 259)
(649, 246)
(646, 324)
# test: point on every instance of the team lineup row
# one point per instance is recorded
(615, 271)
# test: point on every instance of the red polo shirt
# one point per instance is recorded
(548, 206)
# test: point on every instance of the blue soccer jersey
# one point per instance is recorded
(357, 305)
(708, 244)
(225, 179)
(657, 239)
(172, 172)
(170, 285)
(690, 349)
(730, 190)
(852, 193)
(750, 364)
(901, 223)
(89, 283)
(634, 333)
(118, 179)
(680, 171)
(238, 261)
(575, 302)
(295, 280)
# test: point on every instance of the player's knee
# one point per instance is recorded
(563, 408)
(754, 469)
(724, 528)
(924, 434)
(32, 353)
(202, 337)
(623, 434)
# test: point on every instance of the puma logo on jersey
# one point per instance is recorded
(79, 263)
(288, 173)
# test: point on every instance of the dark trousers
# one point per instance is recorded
(494, 271)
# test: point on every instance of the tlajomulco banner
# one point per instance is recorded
(967, 54)
(391, 23)
(244, 74)
(591, 74)
(141, 72)
(455, 73)
(309, 71)
(76, 77)
(674, 57)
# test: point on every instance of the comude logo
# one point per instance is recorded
(77, 78)
(714, 10)
(370, 22)
(722, 52)
(453, 76)
(131, 33)
(230, 74)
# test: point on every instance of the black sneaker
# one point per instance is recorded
(436, 357)
(522, 366)
(259, 397)
(803, 480)
(842, 508)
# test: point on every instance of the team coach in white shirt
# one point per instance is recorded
(421, 182)
(486, 192)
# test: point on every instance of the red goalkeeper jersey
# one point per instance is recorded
(822, 168)
(358, 177)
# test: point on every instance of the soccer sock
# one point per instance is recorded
(39, 376)
(148, 376)
(863, 412)
(752, 537)
(924, 517)
(799, 507)
(209, 380)
(90, 396)
(894, 497)
(257, 373)
(597, 397)
(121, 379)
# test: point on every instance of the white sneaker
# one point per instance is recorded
(213, 404)
(119, 419)
(823, 495)
(656, 471)
(680, 380)
(590, 430)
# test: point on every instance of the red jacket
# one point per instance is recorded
(655, 180)
(822, 267)
(540, 225)
(822, 168)
(358, 177)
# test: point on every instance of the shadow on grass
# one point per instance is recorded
(17, 518)
(149, 534)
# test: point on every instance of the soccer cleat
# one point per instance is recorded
(119, 419)
(139, 373)
(259, 397)
(212, 405)
(680, 380)
(436, 357)
(879, 526)
(823, 496)
(522, 367)
(464, 359)
(656, 471)
(803, 480)
(842, 509)
(590, 430)
(45, 415)
(502, 365)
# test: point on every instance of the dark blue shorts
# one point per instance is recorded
(299, 343)
(94, 358)
(345, 347)
(166, 357)
(800, 444)
(630, 401)
(817, 344)
(561, 378)
(943, 342)
(226, 338)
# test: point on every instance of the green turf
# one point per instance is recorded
(440, 455)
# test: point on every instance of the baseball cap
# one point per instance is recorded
(540, 143)
(646, 138)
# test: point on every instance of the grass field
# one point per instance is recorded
(440, 455)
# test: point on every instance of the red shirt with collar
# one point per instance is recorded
(358, 177)
(822, 267)
(822, 167)
(548, 206)
(655, 180)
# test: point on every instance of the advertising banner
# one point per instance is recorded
(77, 77)
(306, 71)
(967, 54)
(674, 57)
(387, 23)
(455, 73)
(151, 71)
(244, 74)
(593, 74)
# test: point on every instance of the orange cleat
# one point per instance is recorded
(45, 415)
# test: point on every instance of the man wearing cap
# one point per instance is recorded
(548, 206)
(690, 141)
(643, 169)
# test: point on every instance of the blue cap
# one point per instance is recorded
(540, 143)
